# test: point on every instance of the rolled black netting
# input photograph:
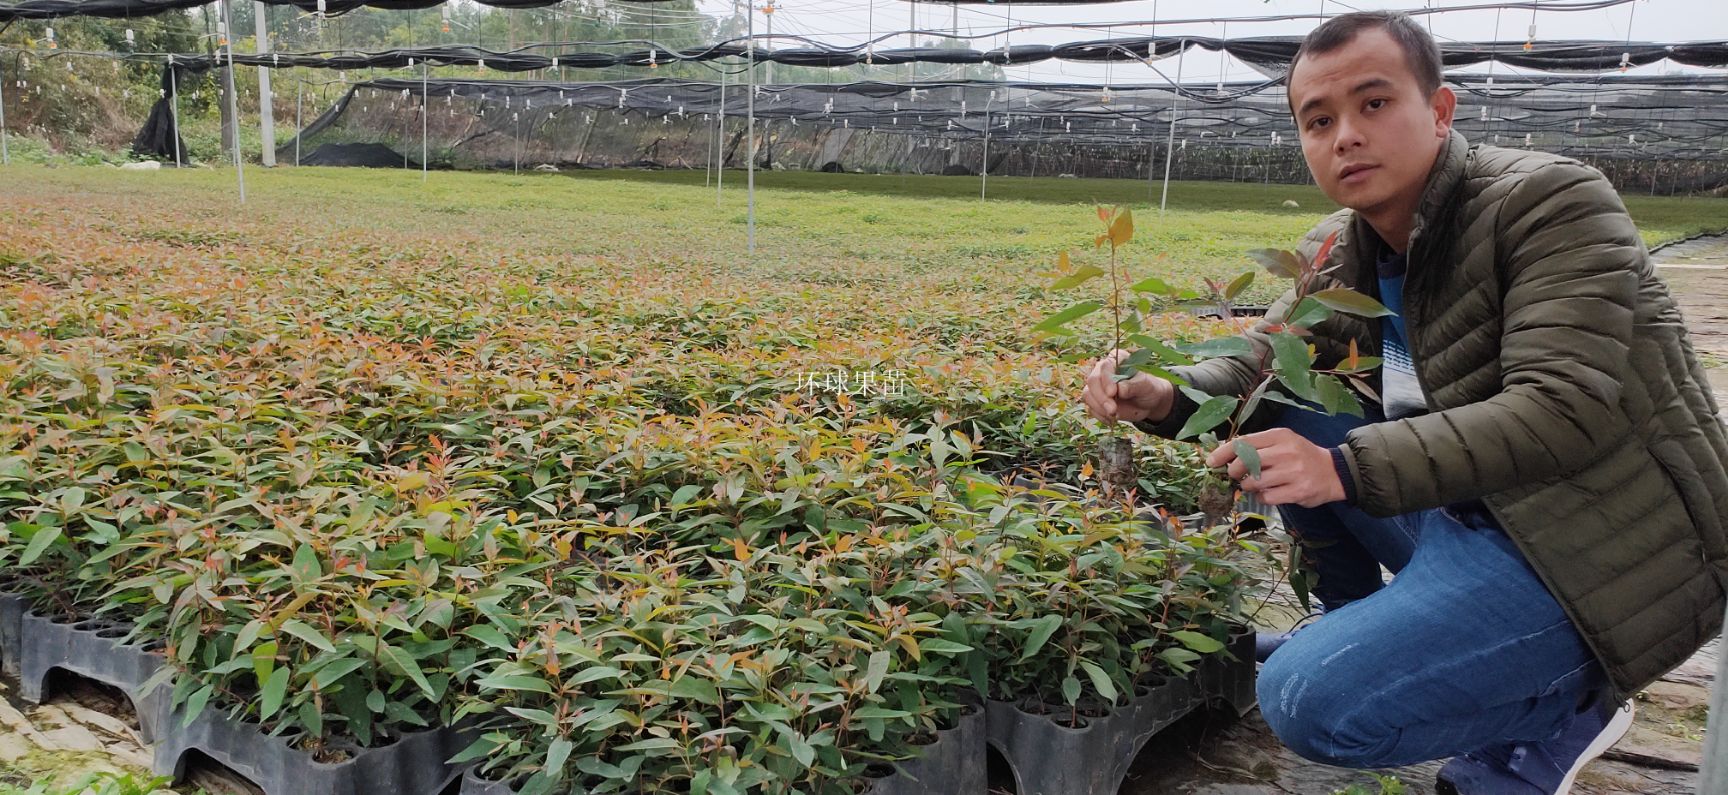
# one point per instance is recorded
(1270, 54)
(160, 136)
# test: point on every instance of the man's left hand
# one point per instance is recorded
(1293, 470)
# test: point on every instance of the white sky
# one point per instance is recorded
(852, 21)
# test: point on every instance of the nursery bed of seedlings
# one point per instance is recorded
(550, 479)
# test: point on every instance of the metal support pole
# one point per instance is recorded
(299, 92)
(984, 167)
(5, 153)
(1170, 143)
(233, 99)
(708, 164)
(911, 30)
(1151, 167)
(266, 104)
(720, 146)
(750, 148)
(174, 111)
(425, 114)
(1715, 771)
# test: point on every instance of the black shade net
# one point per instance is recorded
(120, 9)
(1634, 127)
(1270, 55)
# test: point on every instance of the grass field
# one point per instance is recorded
(368, 453)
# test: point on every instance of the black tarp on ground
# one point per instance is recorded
(361, 155)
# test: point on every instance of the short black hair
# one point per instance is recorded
(1420, 50)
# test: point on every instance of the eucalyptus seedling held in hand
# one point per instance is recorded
(1282, 368)
(1115, 453)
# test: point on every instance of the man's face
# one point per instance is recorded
(1368, 131)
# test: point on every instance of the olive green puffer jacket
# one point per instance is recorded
(1562, 390)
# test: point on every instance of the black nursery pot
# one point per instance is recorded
(473, 783)
(1050, 757)
(955, 764)
(12, 607)
(92, 648)
(412, 765)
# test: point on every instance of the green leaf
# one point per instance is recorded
(595, 766)
(1081, 275)
(71, 499)
(656, 744)
(1165, 352)
(264, 660)
(275, 688)
(1250, 456)
(1350, 302)
(1337, 398)
(328, 675)
(1203, 644)
(1237, 286)
(195, 704)
(1292, 362)
(1214, 411)
(1055, 322)
(395, 657)
(1070, 690)
(940, 646)
(877, 669)
(135, 452)
(479, 749)
(313, 637)
(1298, 575)
(532, 684)
(800, 748)
(1100, 680)
(39, 543)
(685, 494)
(874, 711)
(248, 634)
(312, 717)
(1153, 285)
(491, 636)
(1279, 263)
(558, 754)
(306, 565)
(1307, 313)
(1042, 629)
(696, 689)
(595, 673)
(1217, 347)
(1179, 659)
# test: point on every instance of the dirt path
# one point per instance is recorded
(1697, 273)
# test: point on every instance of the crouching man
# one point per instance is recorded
(1542, 469)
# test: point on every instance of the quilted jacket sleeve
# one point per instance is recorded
(1568, 268)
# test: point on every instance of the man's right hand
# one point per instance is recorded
(1142, 397)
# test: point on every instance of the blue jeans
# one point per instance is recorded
(1465, 648)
